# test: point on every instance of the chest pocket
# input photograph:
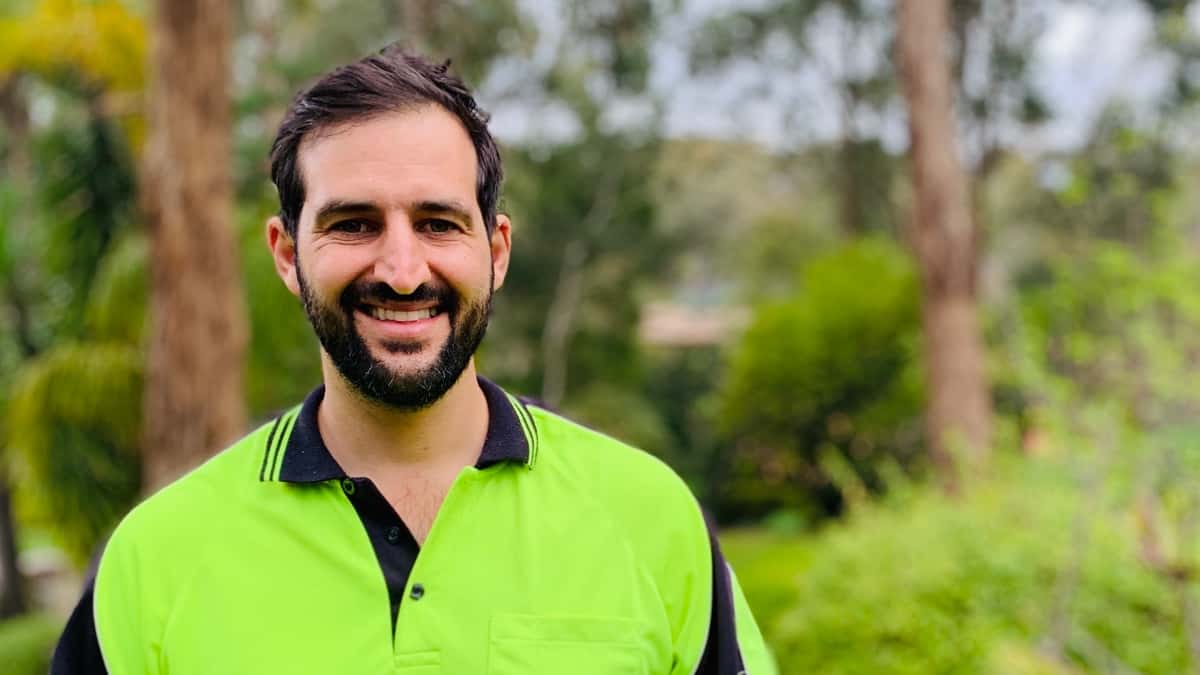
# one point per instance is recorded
(523, 644)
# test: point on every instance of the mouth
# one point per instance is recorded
(399, 315)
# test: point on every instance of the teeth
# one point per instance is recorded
(396, 315)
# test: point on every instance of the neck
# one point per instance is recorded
(368, 439)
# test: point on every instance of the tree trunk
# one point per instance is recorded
(569, 289)
(12, 584)
(945, 238)
(851, 207)
(15, 115)
(194, 398)
(417, 23)
(560, 319)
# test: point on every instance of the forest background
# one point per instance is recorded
(938, 395)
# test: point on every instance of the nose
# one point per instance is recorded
(401, 262)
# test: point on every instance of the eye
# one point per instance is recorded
(440, 226)
(351, 226)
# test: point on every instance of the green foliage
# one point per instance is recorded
(832, 368)
(1111, 325)
(26, 644)
(282, 364)
(678, 385)
(625, 414)
(59, 213)
(74, 427)
(1121, 186)
(620, 35)
(117, 302)
(85, 180)
(988, 583)
(591, 195)
(769, 566)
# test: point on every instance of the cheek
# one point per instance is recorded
(482, 275)
(328, 276)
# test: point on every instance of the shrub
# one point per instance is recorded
(73, 428)
(981, 584)
(26, 643)
(831, 371)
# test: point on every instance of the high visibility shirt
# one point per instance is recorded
(560, 551)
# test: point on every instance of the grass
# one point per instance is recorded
(768, 565)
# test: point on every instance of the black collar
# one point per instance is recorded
(511, 437)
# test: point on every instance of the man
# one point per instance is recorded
(409, 516)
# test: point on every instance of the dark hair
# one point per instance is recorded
(391, 81)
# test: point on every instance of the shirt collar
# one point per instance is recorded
(511, 437)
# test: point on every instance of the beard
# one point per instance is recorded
(374, 379)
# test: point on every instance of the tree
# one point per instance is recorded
(583, 202)
(823, 392)
(62, 195)
(473, 34)
(840, 42)
(193, 398)
(15, 121)
(945, 237)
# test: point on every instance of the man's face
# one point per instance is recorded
(391, 259)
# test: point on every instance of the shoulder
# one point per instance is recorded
(628, 482)
(177, 519)
(158, 548)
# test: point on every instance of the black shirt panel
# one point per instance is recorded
(722, 655)
(395, 547)
(78, 650)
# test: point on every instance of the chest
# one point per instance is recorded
(505, 587)
(415, 501)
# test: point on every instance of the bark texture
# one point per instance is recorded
(945, 238)
(194, 395)
(417, 23)
(13, 600)
(15, 116)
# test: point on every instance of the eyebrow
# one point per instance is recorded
(338, 207)
(448, 207)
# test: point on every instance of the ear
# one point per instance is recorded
(283, 250)
(501, 248)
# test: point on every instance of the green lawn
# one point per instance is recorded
(767, 565)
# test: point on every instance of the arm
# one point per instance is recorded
(105, 633)
(78, 650)
(735, 645)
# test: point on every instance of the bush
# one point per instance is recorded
(73, 428)
(981, 584)
(832, 372)
(26, 644)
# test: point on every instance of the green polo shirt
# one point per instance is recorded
(560, 551)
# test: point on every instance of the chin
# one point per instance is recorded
(395, 348)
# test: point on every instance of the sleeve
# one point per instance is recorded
(107, 632)
(78, 650)
(735, 645)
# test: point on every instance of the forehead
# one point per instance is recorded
(391, 159)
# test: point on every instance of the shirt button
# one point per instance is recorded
(393, 534)
(418, 592)
(348, 486)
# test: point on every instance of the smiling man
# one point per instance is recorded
(409, 516)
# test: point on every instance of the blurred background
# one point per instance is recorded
(938, 396)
